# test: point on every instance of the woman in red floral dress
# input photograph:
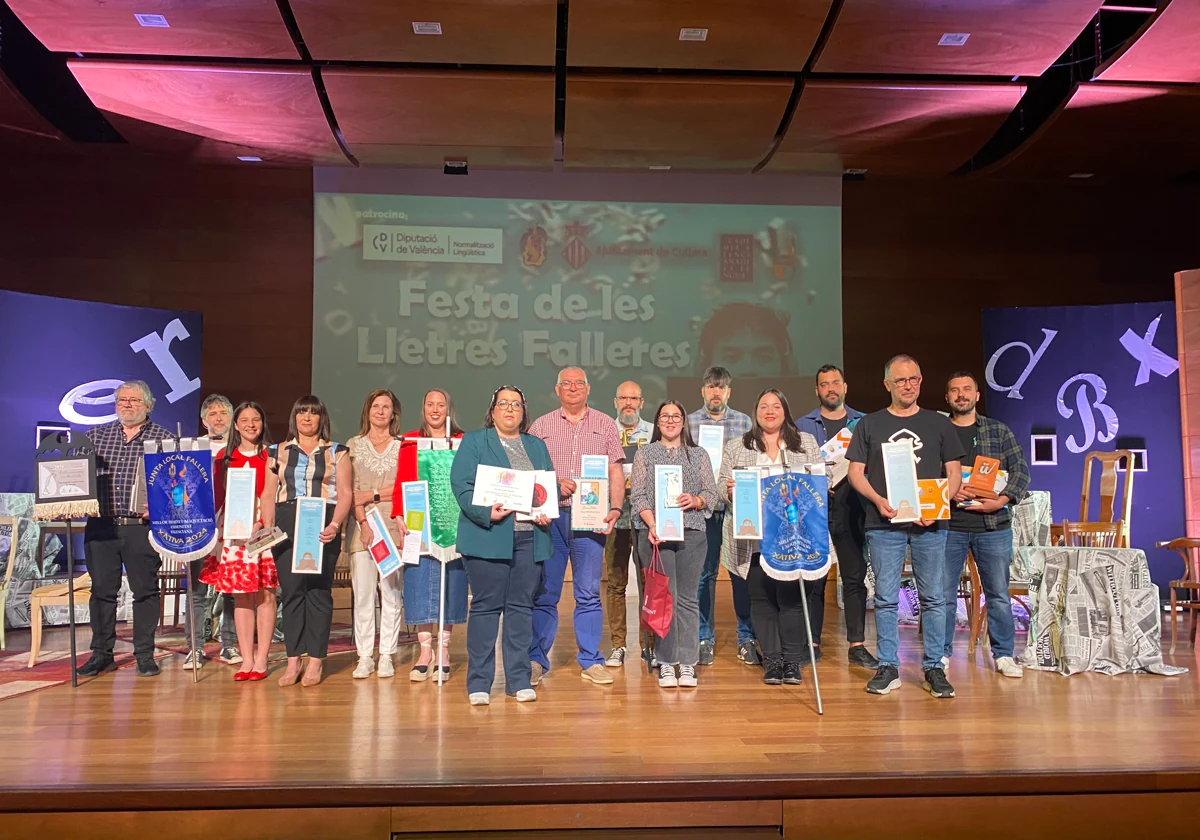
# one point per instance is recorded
(251, 579)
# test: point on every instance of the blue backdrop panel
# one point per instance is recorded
(1095, 378)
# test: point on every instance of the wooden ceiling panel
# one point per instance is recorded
(211, 28)
(20, 125)
(272, 109)
(1167, 51)
(891, 129)
(634, 122)
(749, 35)
(143, 138)
(420, 118)
(1005, 37)
(1118, 131)
(517, 32)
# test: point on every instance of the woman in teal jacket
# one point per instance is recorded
(503, 557)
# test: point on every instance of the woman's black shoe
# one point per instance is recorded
(773, 672)
(791, 673)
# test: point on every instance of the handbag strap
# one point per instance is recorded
(656, 561)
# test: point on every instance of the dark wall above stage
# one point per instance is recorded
(920, 259)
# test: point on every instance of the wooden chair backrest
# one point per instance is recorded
(1189, 550)
(1092, 534)
(14, 523)
(1109, 509)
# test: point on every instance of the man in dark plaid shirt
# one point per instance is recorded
(985, 526)
(119, 536)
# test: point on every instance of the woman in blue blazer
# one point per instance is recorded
(503, 557)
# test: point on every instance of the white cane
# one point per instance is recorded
(812, 657)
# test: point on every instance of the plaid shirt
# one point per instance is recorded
(117, 464)
(996, 440)
(595, 434)
(736, 424)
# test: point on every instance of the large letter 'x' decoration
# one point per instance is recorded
(1151, 358)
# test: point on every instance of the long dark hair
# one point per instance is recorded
(753, 439)
(490, 423)
(235, 437)
(364, 425)
(451, 416)
(685, 435)
(309, 403)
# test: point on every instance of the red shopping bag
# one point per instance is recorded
(657, 604)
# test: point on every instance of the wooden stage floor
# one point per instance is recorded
(123, 744)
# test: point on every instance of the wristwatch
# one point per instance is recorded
(376, 498)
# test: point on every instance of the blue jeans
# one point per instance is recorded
(586, 552)
(707, 594)
(993, 554)
(886, 547)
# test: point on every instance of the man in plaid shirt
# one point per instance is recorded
(984, 527)
(119, 536)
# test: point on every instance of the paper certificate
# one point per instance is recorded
(503, 486)
(593, 466)
(545, 496)
(240, 484)
(589, 505)
(306, 542)
(900, 475)
(747, 505)
(383, 547)
(712, 441)
(416, 512)
(668, 485)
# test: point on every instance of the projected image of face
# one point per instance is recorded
(747, 338)
(748, 353)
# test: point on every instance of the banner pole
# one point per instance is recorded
(191, 593)
(812, 657)
(70, 597)
(441, 622)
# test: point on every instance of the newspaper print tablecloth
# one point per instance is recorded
(1093, 609)
(1030, 526)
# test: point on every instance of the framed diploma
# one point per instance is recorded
(900, 475)
(747, 505)
(712, 441)
(589, 505)
(503, 486)
(306, 541)
(416, 512)
(545, 496)
(668, 518)
(383, 547)
(240, 484)
(593, 466)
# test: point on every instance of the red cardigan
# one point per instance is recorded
(406, 469)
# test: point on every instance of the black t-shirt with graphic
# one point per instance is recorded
(935, 442)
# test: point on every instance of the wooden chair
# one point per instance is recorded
(13, 524)
(1187, 548)
(1093, 534)
(343, 579)
(1108, 509)
(54, 595)
(171, 582)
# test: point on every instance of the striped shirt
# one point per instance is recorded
(697, 480)
(594, 434)
(307, 474)
(118, 462)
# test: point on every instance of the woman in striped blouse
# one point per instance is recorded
(307, 465)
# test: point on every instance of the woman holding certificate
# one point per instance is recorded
(672, 484)
(250, 578)
(772, 444)
(308, 493)
(502, 555)
(373, 454)
(423, 582)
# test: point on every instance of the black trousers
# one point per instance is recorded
(107, 547)
(847, 527)
(307, 599)
(778, 615)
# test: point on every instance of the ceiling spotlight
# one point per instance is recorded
(953, 39)
(428, 27)
(693, 34)
(1081, 175)
(660, 167)
(454, 167)
(156, 21)
(249, 159)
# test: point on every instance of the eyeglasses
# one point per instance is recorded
(908, 380)
(670, 418)
(573, 385)
(508, 404)
(130, 401)
(629, 399)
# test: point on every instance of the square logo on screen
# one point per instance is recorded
(737, 258)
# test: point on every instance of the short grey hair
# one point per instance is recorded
(215, 399)
(137, 385)
(899, 357)
(571, 367)
(718, 376)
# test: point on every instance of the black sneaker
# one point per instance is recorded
(860, 656)
(773, 672)
(937, 684)
(748, 653)
(886, 679)
(97, 664)
(147, 667)
(706, 653)
(791, 673)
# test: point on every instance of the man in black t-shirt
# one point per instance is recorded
(938, 454)
(984, 527)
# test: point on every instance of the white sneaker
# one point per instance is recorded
(525, 695)
(480, 698)
(387, 668)
(1008, 666)
(194, 661)
(364, 669)
(615, 659)
(945, 662)
(666, 676)
(687, 676)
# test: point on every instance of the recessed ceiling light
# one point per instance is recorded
(1081, 175)
(953, 39)
(855, 172)
(249, 159)
(659, 167)
(692, 34)
(157, 21)
(426, 27)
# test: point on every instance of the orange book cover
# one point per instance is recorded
(983, 477)
(935, 498)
